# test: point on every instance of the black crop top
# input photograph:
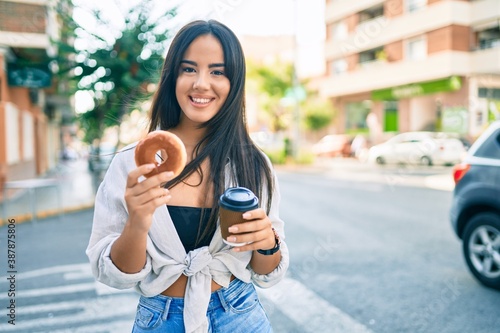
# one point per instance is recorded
(190, 226)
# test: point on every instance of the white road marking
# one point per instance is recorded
(102, 289)
(290, 297)
(69, 289)
(105, 309)
(84, 268)
(310, 311)
(78, 275)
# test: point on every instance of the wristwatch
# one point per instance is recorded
(275, 248)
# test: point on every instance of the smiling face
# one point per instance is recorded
(202, 86)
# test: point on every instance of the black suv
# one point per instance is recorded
(475, 211)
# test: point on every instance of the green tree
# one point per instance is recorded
(318, 114)
(273, 82)
(116, 70)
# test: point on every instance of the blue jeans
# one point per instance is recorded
(235, 309)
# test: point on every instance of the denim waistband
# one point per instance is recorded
(218, 298)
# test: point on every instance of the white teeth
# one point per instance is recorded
(201, 100)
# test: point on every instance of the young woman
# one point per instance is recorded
(165, 240)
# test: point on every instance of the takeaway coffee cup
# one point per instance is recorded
(232, 204)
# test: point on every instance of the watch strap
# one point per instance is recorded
(275, 248)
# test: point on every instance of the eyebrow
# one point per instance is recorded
(190, 62)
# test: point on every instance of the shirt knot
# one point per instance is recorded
(197, 260)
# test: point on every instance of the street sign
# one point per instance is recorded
(29, 76)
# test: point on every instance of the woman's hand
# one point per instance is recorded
(142, 198)
(258, 231)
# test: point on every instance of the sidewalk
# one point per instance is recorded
(71, 188)
(435, 177)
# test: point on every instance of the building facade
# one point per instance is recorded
(408, 65)
(30, 111)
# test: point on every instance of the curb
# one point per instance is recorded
(21, 218)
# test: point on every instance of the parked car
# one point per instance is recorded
(475, 210)
(333, 145)
(100, 157)
(423, 148)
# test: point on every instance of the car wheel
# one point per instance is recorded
(481, 247)
(380, 160)
(426, 160)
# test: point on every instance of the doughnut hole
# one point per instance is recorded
(161, 156)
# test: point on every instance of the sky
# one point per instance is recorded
(304, 18)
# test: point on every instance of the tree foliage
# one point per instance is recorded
(115, 70)
(318, 114)
(273, 83)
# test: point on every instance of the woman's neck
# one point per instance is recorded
(190, 135)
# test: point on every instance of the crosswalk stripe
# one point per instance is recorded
(83, 267)
(310, 311)
(107, 309)
(293, 299)
(68, 289)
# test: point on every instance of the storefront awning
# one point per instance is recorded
(416, 89)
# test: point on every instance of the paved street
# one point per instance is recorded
(366, 256)
(384, 254)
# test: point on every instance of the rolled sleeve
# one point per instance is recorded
(106, 271)
(270, 279)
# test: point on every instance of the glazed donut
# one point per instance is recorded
(146, 149)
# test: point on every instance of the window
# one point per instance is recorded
(489, 38)
(339, 30)
(491, 147)
(491, 93)
(417, 49)
(371, 13)
(415, 5)
(339, 66)
(356, 114)
(370, 55)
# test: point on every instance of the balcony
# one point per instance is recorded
(339, 9)
(24, 40)
(382, 31)
(439, 65)
(27, 24)
(485, 10)
(486, 61)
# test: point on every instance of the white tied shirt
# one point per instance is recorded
(166, 256)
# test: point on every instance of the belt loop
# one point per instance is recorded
(222, 300)
(166, 309)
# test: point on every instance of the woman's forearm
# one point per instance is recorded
(262, 264)
(128, 253)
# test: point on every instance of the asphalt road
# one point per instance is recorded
(366, 256)
(383, 253)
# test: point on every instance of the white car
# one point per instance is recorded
(422, 148)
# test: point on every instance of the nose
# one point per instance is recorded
(202, 82)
